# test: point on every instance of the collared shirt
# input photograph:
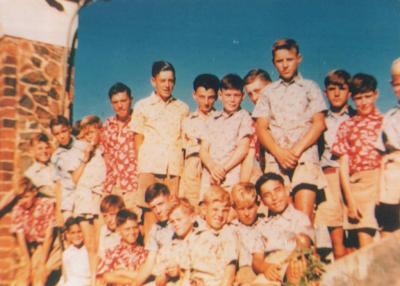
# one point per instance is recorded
(161, 125)
(42, 176)
(122, 257)
(279, 231)
(223, 132)
(211, 251)
(356, 138)
(120, 156)
(332, 122)
(76, 266)
(389, 139)
(289, 108)
(33, 222)
(159, 235)
(107, 240)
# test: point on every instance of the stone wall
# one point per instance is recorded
(32, 76)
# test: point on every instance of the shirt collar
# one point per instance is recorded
(285, 214)
(297, 79)
(155, 99)
(114, 120)
(348, 110)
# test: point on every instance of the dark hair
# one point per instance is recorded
(59, 120)
(232, 81)
(207, 81)
(40, 137)
(70, 222)
(111, 201)
(155, 190)
(268, 177)
(253, 74)
(285, 44)
(361, 83)
(337, 77)
(160, 66)
(117, 88)
(26, 186)
(124, 215)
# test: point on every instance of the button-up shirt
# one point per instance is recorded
(107, 240)
(42, 176)
(389, 139)
(160, 235)
(161, 125)
(289, 108)
(76, 266)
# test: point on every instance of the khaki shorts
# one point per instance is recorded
(390, 181)
(87, 203)
(190, 183)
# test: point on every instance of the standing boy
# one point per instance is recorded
(289, 122)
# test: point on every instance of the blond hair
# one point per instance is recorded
(244, 192)
(217, 194)
(184, 205)
(88, 120)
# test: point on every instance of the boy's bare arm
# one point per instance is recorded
(120, 277)
(238, 155)
(25, 258)
(229, 275)
(247, 166)
(217, 171)
(269, 270)
(59, 217)
(285, 157)
(146, 268)
(317, 127)
(138, 141)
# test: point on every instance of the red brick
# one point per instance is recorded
(6, 155)
(11, 102)
(7, 144)
(6, 166)
(7, 133)
(5, 176)
(8, 112)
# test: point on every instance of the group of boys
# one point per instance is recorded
(161, 196)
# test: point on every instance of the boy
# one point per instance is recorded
(330, 213)
(388, 210)
(289, 122)
(284, 230)
(245, 203)
(121, 264)
(157, 123)
(255, 82)
(214, 249)
(205, 90)
(359, 161)
(225, 138)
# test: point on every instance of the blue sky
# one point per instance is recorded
(120, 39)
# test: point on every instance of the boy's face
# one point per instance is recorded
(160, 206)
(365, 102)
(216, 214)
(41, 151)
(231, 99)
(205, 99)
(92, 135)
(62, 134)
(396, 85)
(75, 235)
(287, 62)
(129, 231)
(163, 84)
(181, 222)
(275, 196)
(110, 218)
(246, 211)
(337, 94)
(121, 104)
(255, 89)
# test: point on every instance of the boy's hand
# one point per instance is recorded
(286, 158)
(88, 153)
(272, 272)
(296, 269)
(354, 214)
(217, 173)
(172, 271)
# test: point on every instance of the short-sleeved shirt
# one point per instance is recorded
(160, 234)
(332, 122)
(122, 257)
(211, 251)
(42, 176)
(250, 240)
(76, 273)
(107, 240)
(357, 138)
(279, 231)
(289, 108)
(33, 222)
(389, 139)
(161, 125)
(120, 156)
(223, 132)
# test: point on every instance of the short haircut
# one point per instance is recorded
(395, 70)
(253, 74)
(70, 222)
(117, 88)
(217, 194)
(285, 44)
(88, 120)
(40, 137)
(268, 177)
(232, 81)
(184, 205)
(361, 83)
(337, 77)
(243, 192)
(161, 66)
(155, 190)
(59, 120)
(111, 202)
(207, 81)
(124, 215)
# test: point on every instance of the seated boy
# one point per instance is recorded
(359, 161)
(214, 249)
(121, 264)
(245, 202)
(330, 213)
(289, 122)
(225, 139)
(284, 230)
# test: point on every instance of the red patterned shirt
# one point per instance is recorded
(356, 138)
(122, 257)
(120, 156)
(33, 222)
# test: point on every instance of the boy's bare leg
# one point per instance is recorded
(337, 238)
(304, 201)
(364, 238)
